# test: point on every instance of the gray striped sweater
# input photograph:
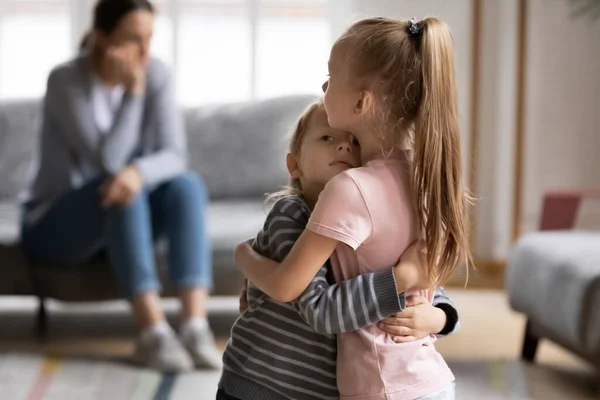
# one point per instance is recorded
(288, 351)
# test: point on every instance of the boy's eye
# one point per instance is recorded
(326, 138)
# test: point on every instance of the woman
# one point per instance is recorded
(113, 177)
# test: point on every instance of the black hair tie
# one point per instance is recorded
(415, 27)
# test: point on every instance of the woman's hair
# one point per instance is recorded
(294, 187)
(409, 67)
(109, 13)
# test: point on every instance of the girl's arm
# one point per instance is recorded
(309, 253)
(287, 280)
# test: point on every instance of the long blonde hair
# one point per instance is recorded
(409, 67)
(294, 187)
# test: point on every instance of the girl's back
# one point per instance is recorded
(370, 211)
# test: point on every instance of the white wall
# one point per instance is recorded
(563, 108)
(497, 112)
(81, 22)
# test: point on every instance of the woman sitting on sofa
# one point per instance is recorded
(112, 177)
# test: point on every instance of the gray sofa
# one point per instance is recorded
(238, 149)
(553, 278)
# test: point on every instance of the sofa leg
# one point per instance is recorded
(41, 319)
(530, 344)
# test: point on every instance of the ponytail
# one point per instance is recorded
(441, 200)
(410, 66)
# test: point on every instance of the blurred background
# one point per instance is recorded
(529, 91)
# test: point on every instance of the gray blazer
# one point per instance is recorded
(147, 131)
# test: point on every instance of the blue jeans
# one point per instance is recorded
(76, 229)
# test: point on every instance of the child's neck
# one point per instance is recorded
(376, 150)
(311, 195)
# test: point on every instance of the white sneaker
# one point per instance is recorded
(163, 352)
(200, 343)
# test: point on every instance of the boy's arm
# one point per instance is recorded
(350, 305)
(443, 302)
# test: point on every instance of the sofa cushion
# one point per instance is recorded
(230, 222)
(239, 149)
(551, 278)
(9, 222)
(18, 137)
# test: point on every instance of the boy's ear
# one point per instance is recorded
(293, 166)
(364, 102)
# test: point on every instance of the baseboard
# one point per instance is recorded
(486, 274)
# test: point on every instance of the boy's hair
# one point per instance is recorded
(294, 187)
(409, 67)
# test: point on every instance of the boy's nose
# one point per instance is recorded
(344, 147)
(324, 87)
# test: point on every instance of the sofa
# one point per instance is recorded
(238, 149)
(553, 277)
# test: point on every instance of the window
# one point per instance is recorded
(214, 48)
(220, 50)
(35, 36)
(292, 49)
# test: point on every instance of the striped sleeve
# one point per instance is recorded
(443, 302)
(349, 305)
(283, 226)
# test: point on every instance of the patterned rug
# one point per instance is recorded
(33, 377)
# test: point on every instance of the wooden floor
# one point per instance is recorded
(490, 330)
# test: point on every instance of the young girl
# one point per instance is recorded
(391, 84)
(288, 351)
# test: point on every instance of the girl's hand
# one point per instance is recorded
(419, 320)
(121, 189)
(410, 273)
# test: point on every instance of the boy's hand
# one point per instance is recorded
(419, 320)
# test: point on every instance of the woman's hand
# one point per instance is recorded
(419, 320)
(410, 273)
(123, 64)
(121, 189)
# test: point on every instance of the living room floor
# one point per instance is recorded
(490, 331)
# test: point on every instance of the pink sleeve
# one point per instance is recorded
(341, 213)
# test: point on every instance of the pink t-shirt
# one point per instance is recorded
(370, 211)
